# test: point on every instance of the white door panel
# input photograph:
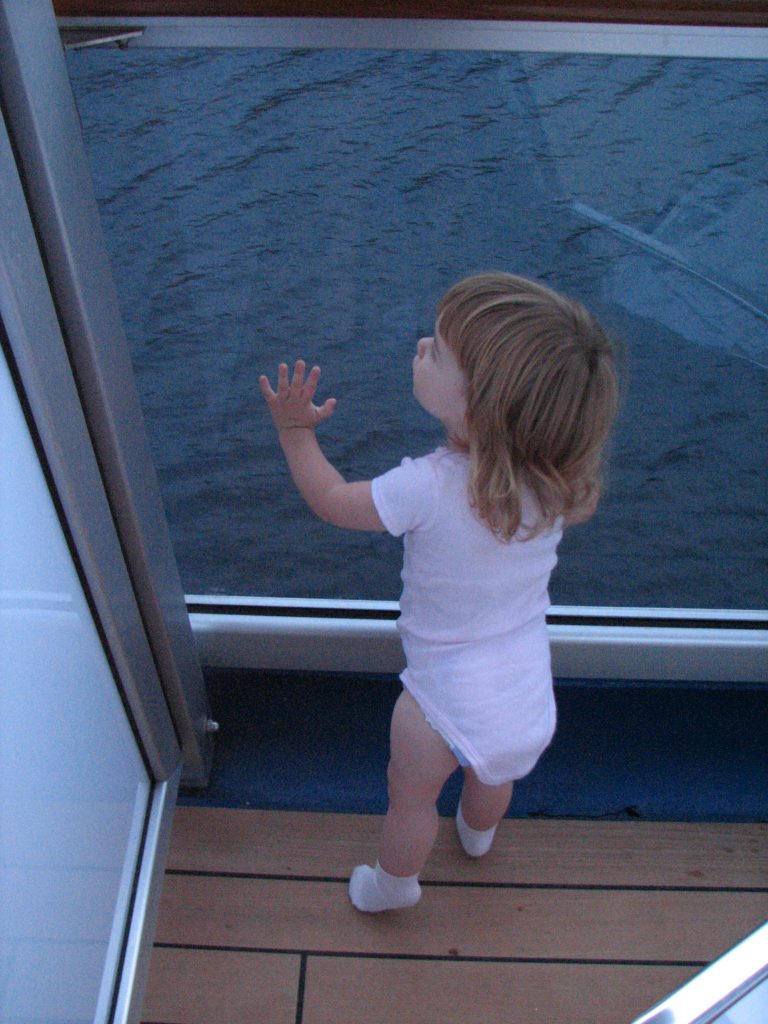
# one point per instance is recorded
(74, 791)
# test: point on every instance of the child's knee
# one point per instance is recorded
(399, 782)
(483, 805)
(405, 786)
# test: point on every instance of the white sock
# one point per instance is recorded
(372, 889)
(475, 843)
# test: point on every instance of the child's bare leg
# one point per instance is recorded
(481, 808)
(420, 762)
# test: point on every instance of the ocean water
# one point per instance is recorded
(262, 205)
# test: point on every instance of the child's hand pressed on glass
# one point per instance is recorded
(321, 485)
(291, 405)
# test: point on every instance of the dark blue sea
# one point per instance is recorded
(261, 205)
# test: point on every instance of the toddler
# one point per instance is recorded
(523, 381)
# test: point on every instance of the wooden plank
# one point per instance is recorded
(532, 852)
(686, 12)
(190, 986)
(668, 926)
(359, 991)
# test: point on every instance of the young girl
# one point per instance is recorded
(523, 381)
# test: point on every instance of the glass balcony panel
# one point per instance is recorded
(267, 204)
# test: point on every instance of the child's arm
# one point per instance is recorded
(323, 488)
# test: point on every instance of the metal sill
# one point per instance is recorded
(587, 643)
(439, 34)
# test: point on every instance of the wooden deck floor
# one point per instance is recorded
(564, 922)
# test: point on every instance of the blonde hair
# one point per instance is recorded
(541, 396)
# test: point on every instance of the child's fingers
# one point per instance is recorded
(296, 384)
(311, 386)
(298, 374)
(326, 409)
(266, 387)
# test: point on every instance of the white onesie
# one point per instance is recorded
(472, 617)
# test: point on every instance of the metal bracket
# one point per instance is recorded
(105, 35)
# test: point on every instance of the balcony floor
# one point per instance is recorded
(564, 922)
(635, 853)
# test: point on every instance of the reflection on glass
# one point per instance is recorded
(268, 204)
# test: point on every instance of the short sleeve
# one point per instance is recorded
(406, 497)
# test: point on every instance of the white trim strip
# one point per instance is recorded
(146, 902)
(224, 603)
(719, 987)
(418, 34)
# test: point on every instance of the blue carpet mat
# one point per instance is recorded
(319, 742)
